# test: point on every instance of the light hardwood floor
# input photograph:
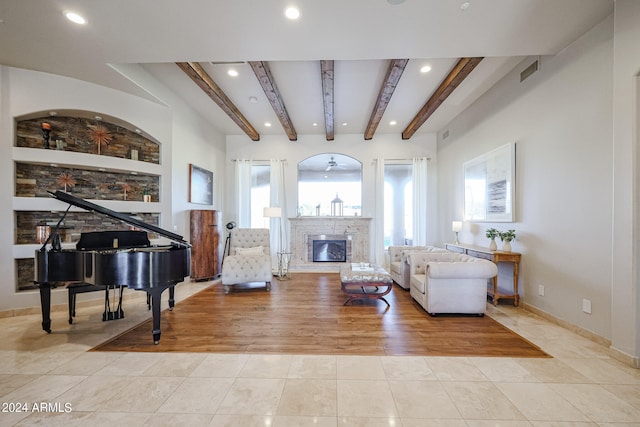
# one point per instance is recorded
(306, 315)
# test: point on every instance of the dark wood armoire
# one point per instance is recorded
(206, 229)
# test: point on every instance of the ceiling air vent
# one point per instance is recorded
(445, 134)
(529, 70)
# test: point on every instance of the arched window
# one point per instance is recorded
(323, 178)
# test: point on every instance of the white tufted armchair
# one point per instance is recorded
(249, 258)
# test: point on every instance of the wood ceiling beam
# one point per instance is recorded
(394, 72)
(326, 72)
(195, 71)
(263, 73)
(462, 69)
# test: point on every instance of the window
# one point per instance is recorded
(325, 177)
(398, 204)
(260, 195)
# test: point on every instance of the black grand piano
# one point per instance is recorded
(112, 259)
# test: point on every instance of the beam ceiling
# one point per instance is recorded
(460, 71)
(394, 72)
(206, 83)
(327, 75)
(263, 74)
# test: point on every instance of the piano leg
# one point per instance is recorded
(156, 297)
(45, 304)
(172, 300)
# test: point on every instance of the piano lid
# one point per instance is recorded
(81, 203)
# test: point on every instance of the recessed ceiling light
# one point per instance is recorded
(53, 113)
(233, 72)
(425, 69)
(465, 5)
(314, 124)
(292, 12)
(138, 131)
(75, 18)
(393, 123)
(344, 123)
(98, 118)
(267, 124)
(253, 100)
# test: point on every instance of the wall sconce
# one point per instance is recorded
(456, 226)
(46, 131)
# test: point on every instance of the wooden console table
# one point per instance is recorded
(495, 257)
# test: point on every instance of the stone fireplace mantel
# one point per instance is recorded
(303, 229)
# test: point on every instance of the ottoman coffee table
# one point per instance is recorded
(365, 281)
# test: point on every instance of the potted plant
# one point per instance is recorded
(507, 237)
(491, 234)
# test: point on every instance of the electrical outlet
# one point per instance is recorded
(541, 290)
(586, 306)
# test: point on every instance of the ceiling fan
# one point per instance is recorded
(331, 164)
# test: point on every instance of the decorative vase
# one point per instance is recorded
(506, 247)
(492, 245)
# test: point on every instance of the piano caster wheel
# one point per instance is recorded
(156, 339)
(70, 321)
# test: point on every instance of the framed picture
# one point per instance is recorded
(489, 186)
(200, 185)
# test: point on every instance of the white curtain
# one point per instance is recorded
(420, 201)
(243, 193)
(379, 213)
(278, 226)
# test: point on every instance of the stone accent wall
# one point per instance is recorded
(81, 134)
(305, 229)
(25, 274)
(74, 135)
(33, 180)
(74, 224)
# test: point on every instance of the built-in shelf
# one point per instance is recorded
(70, 159)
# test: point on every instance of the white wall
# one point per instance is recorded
(194, 141)
(561, 121)
(384, 146)
(626, 257)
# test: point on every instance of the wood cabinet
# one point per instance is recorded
(206, 227)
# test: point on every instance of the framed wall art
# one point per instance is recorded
(200, 185)
(489, 186)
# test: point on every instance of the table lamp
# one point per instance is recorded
(456, 226)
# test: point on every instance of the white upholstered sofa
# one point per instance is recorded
(398, 266)
(447, 282)
(249, 258)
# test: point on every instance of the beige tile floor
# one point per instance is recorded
(52, 380)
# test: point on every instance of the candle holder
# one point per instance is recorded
(337, 206)
(46, 131)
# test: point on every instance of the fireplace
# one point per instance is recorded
(329, 251)
(305, 230)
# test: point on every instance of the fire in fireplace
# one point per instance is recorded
(329, 251)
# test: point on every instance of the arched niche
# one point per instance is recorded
(323, 178)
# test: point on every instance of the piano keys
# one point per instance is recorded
(113, 259)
